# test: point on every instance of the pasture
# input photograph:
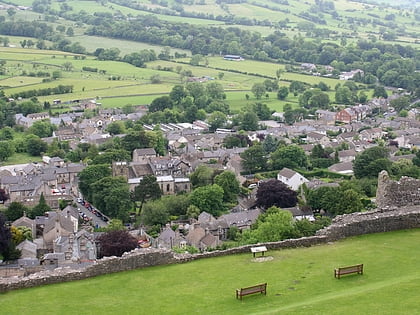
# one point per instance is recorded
(121, 83)
(300, 281)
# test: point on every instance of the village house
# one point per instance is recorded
(291, 178)
(352, 114)
(345, 155)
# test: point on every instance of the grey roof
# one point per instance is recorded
(145, 151)
(287, 172)
(242, 218)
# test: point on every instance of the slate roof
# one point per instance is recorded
(287, 172)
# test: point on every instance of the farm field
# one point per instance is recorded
(120, 83)
(300, 281)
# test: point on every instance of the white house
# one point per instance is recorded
(291, 178)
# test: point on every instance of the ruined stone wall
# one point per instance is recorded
(379, 220)
(391, 193)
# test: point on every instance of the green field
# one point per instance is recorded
(300, 281)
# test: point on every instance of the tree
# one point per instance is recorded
(90, 175)
(178, 93)
(270, 144)
(227, 180)
(116, 243)
(335, 200)
(112, 196)
(209, 199)
(279, 72)
(155, 213)
(215, 91)
(253, 159)
(160, 104)
(196, 59)
(147, 189)
(115, 128)
(6, 150)
(15, 210)
(67, 66)
(3, 195)
(274, 226)
(282, 92)
(379, 91)
(217, 120)
(258, 89)
(249, 121)
(42, 129)
(70, 31)
(291, 156)
(365, 164)
(202, 176)
(400, 103)
(5, 237)
(274, 193)
(262, 110)
(40, 208)
(34, 145)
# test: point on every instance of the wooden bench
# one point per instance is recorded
(348, 270)
(260, 288)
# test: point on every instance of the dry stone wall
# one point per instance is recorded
(391, 193)
(379, 220)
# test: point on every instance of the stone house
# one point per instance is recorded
(201, 238)
(38, 116)
(28, 249)
(56, 225)
(345, 168)
(77, 247)
(326, 116)
(371, 134)
(345, 155)
(169, 238)
(26, 222)
(317, 138)
(143, 155)
(291, 178)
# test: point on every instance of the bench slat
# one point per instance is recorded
(348, 270)
(260, 288)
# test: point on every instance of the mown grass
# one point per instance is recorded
(300, 281)
(21, 158)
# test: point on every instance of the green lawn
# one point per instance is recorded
(300, 281)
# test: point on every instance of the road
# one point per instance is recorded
(95, 219)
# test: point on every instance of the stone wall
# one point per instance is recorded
(379, 220)
(391, 193)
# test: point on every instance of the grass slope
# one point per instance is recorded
(300, 281)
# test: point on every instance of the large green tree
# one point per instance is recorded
(291, 156)
(15, 210)
(91, 174)
(147, 189)
(275, 225)
(112, 196)
(202, 176)
(209, 199)
(6, 150)
(40, 208)
(227, 180)
(253, 159)
(371, 161)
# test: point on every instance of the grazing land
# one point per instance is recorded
(300, 281)
(132, 84)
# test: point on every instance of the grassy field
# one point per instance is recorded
(300, 281)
